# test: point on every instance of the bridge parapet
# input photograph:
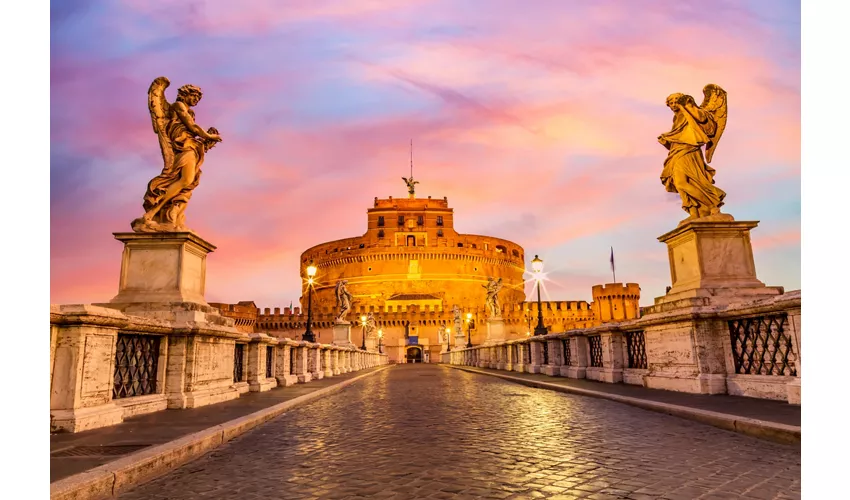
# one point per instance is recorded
(746, 349)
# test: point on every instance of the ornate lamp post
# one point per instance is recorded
(469, 329)
(363, 329)
(448, 339)
(537, 267)
(380, 341)
(311, 275)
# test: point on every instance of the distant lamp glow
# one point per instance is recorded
(380, 343)
(469, 329)
(448, 339)
(537, 266)
(311, 273)
(363, 329)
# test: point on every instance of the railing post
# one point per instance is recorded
(612, 357)
(326, 361)
(536, 357)
(302, 371)
(553, 367)
(579, 352)
(794, 330)
(257, 358)
(284, 372)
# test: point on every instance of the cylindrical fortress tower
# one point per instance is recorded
(410, 269)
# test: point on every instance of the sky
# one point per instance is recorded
(538, 120)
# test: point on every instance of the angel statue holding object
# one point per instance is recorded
(410, 185)
(183, 144)
(441, 334)
(686, 171)
(457, 320)
(493, 287)
(343, 300)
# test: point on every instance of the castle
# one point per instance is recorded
(410, 269)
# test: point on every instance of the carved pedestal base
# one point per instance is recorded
(342, 334)
(162, 268)
(711, 263)
(495, 331)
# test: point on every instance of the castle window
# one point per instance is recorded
(420, 220)
(380, 221)
(486, 246)
(515, 253)
(439, 220)
(362, 245)
(439, 233)
(474, 245)
(381, 233)
(501, 249)
(400, 220)
(460, 245)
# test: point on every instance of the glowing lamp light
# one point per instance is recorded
(448, 330)
(311, 270)
(380, 334)
(468, 316)
(363, 318)
(537, 265)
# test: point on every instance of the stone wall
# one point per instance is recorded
(106, 365)
(746, 349)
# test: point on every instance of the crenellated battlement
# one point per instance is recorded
(629, 290)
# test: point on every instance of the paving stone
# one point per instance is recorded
(424, 431)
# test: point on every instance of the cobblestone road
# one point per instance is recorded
(420, 431)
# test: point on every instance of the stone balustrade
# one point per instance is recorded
(106, 366)
(745, 349)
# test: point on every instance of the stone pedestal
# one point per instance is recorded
(342, 334)
(711, 263)
(371, 344)
(495, 331)
(460, 341)
(162, 268)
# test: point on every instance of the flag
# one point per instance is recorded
(612, 265)
(291, 310)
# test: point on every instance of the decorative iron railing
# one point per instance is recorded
(292, 361)
(238, 356)
(595, 342)
(636, 349)
(136, 358)
(565, 347)
(761, 346)
(269, 360)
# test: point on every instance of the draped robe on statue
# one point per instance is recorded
(685, 160)
(188, 151)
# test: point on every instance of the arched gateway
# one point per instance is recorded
(414, 354)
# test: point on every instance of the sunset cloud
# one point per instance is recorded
(537, 121)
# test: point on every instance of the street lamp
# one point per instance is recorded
(448, 339)
(311, 274)
(469, 329)
(537, 267)
(363, 329)
(380, 338)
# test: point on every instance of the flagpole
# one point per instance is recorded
(613, 271)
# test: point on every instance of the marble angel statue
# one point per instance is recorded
(183, 144)
(343, 300)
(493, 287)
(686, 170)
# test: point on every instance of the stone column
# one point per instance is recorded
(793, 387)
(257, 381)
(335, 362)
(285, 362)
(302, 371)
(519, 363)
(509, 357)
(84, 364)
(314, 361)
(579, 353)
(536, 357)
(553, 368)
(612, 357)
(326, 362)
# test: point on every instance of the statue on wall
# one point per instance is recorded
(686, 171)
(343, 300)
(458, 320)
(493, 287)
(371, 326)
(441, 334)
(183, 144)
(410, 185)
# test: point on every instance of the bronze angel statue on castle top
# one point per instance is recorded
(686, 170)
(183, 144)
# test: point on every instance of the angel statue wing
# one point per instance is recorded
(159, 108)
(405, 180)
(714, 102)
